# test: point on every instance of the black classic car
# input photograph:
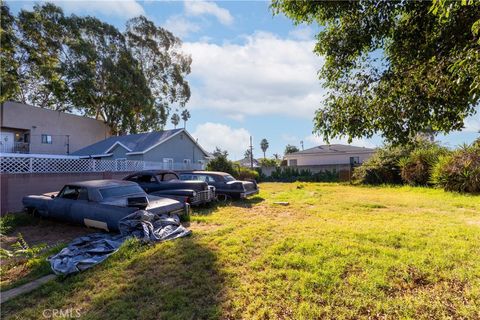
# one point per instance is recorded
(166, 183)
(100, 203)
(225, 185)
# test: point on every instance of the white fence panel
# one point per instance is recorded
(38, 164)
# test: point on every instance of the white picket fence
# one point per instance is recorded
(56, 164)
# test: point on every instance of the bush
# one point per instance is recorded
(245, 174)
(459, 171)
(382, 167)
(221, 163)
(269, 162)
(416, 168)
(291, 174)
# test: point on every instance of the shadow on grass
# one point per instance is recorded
(247, 203)
(177, 279)
(213, 207)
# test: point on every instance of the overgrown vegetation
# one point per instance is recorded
(459, 171)
(424, 163)
(382, 167)
(416, 168)
(12, 220)
(336, 252)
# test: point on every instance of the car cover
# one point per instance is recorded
(87, 251)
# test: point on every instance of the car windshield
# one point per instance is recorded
(229, 178)
(120, 191)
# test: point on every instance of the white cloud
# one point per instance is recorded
(117, 8)
(472, 123)
(302, 32)
(367, 143)
(211, 135)
(264, 75)
(180, 26)
(200, 8)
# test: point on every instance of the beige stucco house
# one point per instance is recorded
(29, 129)
(330, 155)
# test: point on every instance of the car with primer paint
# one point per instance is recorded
(225, 185)
(167, 183)
(100, 203)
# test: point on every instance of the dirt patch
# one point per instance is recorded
(474, 222)
(46, 232)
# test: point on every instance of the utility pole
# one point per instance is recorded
(301, 143)
(251, 153)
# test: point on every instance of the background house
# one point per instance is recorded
(328, 157)
(176, 149)
(245, 162)
(29, 129)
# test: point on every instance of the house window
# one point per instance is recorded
(292, 162)
(167, 163)
(46, 138)
(354, 160)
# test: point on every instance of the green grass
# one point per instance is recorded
(337, 251)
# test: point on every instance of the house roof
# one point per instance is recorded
(246, 162)
(133, 143)
(332, 148)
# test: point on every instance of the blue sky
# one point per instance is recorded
(252, 74)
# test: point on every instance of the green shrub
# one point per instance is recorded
(291, 174)
(269, 162)
(459, 171)
(221, 163)
(245, 174)
(382, 167)
(416, 168)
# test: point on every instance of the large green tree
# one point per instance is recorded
(161, 61)
(130, 80)
(9, 84)
(43, 37)
(394, 67)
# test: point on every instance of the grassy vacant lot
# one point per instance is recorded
(336, 251)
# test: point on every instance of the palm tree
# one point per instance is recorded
(276, 156)
(175, 120)
(264, 146)
(185, 117)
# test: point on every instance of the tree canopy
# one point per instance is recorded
(291, 149)
(128, 79)
(395, 68)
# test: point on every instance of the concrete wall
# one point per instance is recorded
(82, 131)
(13, 187)
(327, 159)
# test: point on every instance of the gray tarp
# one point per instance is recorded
(87, 251)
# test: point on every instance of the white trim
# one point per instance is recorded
(165, 140)
(37, 155)
(96, 156)
(318, 154)
(95, 224)
(118, 143)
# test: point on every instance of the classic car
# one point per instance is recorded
(100, 203)
(166, 183)
(225, 185)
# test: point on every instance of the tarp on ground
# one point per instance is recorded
(84, 252)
